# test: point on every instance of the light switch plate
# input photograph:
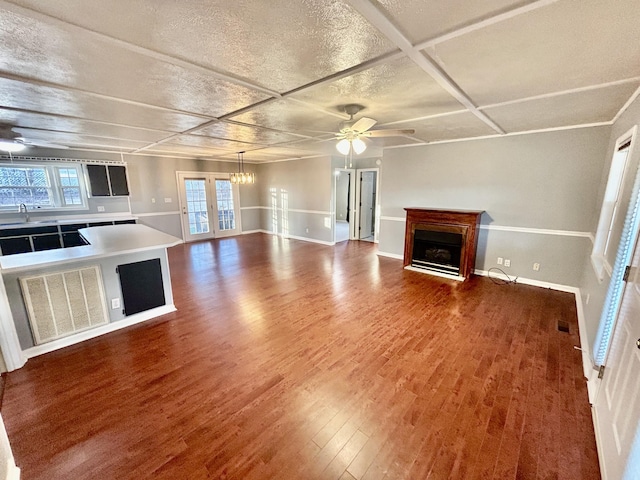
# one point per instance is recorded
(115, 303)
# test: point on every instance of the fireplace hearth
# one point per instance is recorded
(441, 242)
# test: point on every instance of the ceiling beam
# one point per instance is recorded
(472, 27)
(163, 57)
(379, 20)
(80, 119)
(588, 88)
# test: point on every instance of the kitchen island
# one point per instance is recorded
(55, 298)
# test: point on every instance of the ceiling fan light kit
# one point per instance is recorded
(349, 136)
(241, 177)
(11, 146)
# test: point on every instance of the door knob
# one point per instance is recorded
(638, 343)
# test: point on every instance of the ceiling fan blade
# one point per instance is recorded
(388, 133)
(40, 143)
(363, 124)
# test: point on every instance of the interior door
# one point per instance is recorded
(367, 205)
(617, 407)
(209, 205)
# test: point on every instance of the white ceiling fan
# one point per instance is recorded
(351, 134)
(13, 142)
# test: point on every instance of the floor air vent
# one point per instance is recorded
(63, 303)
(563, 326)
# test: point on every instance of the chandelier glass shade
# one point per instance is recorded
(241, 177)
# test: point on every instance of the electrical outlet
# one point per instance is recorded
(507, 262)
(500, 260)
(306, 230)
(167, 200)
(153, 200)
(115, 303)
(536, 266)
(100, 208)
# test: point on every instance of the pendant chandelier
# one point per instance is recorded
(241, 177)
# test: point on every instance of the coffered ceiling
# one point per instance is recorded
(209, 78)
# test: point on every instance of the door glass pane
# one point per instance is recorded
(226, 212)
(197, 206)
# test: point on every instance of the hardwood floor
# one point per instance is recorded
(291, 360)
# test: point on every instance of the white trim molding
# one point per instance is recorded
(505, 228)
(158, 214)
(390, 255)
(538, 231)
(393, 219)
(96, 332)
(294, 210)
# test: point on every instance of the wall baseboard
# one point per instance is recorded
(307, 239)
(96, 332)
(293, 237)
(390, 255)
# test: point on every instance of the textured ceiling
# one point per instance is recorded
(209, 78)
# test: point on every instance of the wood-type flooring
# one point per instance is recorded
(293, 360)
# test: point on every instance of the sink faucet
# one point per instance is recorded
(22, 208)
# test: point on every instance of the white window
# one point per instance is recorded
(42, 187)
(611, 204)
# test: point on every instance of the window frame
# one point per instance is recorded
(55, 187)
(610, 210)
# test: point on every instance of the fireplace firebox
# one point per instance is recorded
(441, 242)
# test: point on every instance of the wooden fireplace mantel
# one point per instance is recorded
(465, 222)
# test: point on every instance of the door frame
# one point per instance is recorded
(352, 201)
(376, 206)
(209, 176)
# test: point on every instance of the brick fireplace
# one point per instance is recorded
(441, 242)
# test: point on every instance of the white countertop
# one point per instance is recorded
(36, 222)
(105, 242)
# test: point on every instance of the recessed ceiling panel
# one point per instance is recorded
(592, 106)
(565, 45)
(389, 92)
(245, 133)
(48, 52)
(36, 98)
(451, 127)
(290, 116)
(28, 120)
(324, 36)
(427, 19)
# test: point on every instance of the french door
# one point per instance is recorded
(209, 206)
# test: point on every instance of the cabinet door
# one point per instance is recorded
(15, 245)
(141, 284)
(46, 242)
(98, 181)
(118, 179)
(72, 239)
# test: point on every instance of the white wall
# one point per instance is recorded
(295, 198)
(545, 184)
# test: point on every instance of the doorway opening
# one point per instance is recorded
(344, 204)
(367, 195)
